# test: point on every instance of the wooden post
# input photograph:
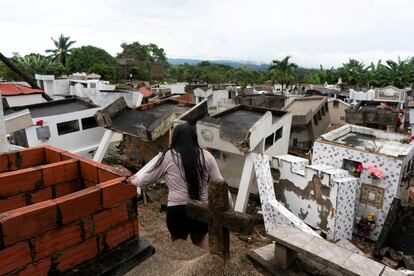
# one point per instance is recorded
(220, 220)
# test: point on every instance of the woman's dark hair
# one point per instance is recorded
(184, 146)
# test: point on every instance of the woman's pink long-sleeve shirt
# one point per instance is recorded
(174, 176)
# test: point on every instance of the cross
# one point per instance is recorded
(219, 219)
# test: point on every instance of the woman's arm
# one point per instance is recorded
(150, 175)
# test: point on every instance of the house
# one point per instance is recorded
(337, 109)
(383, 161)
(19, 94)
(235, 134)
(310, 119)
(68, 124)
(374, 114)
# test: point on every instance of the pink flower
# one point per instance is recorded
(374, 171)
(360, 167)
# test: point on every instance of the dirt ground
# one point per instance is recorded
(152, 226)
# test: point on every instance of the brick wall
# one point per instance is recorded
(58, 210)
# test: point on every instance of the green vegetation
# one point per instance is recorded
(283, 72)
(399, 73)
(62, 50)
(139, 57)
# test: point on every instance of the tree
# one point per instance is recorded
(38, 64)
(283, 71)
(107, 72)
(83, 58)
(143, 53)
(62, 51)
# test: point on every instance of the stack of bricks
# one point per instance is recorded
(58, 210)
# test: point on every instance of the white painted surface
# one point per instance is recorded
(83, 142)
(20, 100)
(18, 120)
(4, 145)
(245, 184)
(103, 145)
(393, 163)
(342, 191)
(337, 111)
(274, 213)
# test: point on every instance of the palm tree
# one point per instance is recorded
(38, 64)
(283, 71)
(62, 51)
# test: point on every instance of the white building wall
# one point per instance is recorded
(20, 100)
(333, 155)
(337, 113)
(81, 142)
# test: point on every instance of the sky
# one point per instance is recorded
(313, 32)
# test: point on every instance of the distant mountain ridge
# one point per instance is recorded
(232, 63)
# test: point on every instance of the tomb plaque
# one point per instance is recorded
(372, 195)
(43, 133)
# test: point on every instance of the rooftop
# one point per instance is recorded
(236, 122)
(371, 140)
(55, 107)
(302, 106)
(13, 89)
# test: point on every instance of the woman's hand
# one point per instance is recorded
(130, 180)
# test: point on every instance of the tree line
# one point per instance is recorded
(66, 59)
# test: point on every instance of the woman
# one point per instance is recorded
(187, 169)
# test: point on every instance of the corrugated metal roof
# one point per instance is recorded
(11, 89)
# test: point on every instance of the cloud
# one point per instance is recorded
(314, 32)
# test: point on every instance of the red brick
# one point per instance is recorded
(106, 175)
(28, 221)
(57, 240)
(79, 204)
(109, 218)
(42, 267)
(12, 202)
(41, 195)
(76, 255)
(69, 187)
(135, 224)
(115, 191)
(14, 257)
(89, 171)
(52, 155)
(120, 234)
(4, 162)
(26, 158)
(68, 155)
(60, 172)
(19, 181)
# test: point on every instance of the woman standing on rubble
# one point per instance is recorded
(187, 169)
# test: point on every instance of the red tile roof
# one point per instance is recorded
(9, 89)
(146, 91)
